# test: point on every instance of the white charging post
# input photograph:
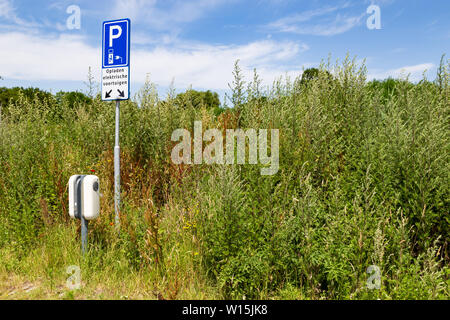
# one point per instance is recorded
(84, 203)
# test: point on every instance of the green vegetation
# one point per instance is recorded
(363, 180)
(198, 99)
(12, 94)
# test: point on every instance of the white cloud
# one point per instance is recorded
(133, 8)
(34, 57)
(8, 13)
(150, 13)
(303, 17)
(414, 72)
(6, 9)
(143, 38)
(327, 22)
(210, 66)
(67, 57)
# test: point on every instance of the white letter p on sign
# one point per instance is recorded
(113, 36)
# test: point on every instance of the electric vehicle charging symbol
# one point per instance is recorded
(110, 56)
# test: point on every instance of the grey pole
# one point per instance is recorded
(117, 168)
(84, 234)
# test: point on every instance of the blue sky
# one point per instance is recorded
(195, 43)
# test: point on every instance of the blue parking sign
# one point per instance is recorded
(116, 43)
(116, 60)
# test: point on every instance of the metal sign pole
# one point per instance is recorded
(84, 235)
(117, 168)
(116, 84)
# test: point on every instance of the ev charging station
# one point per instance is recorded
(84, 190)
(84, 202)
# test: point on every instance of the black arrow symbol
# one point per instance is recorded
(121, 93)
(108, 94)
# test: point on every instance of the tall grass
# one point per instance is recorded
(363, 181)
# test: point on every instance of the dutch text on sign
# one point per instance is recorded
(115, 83)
